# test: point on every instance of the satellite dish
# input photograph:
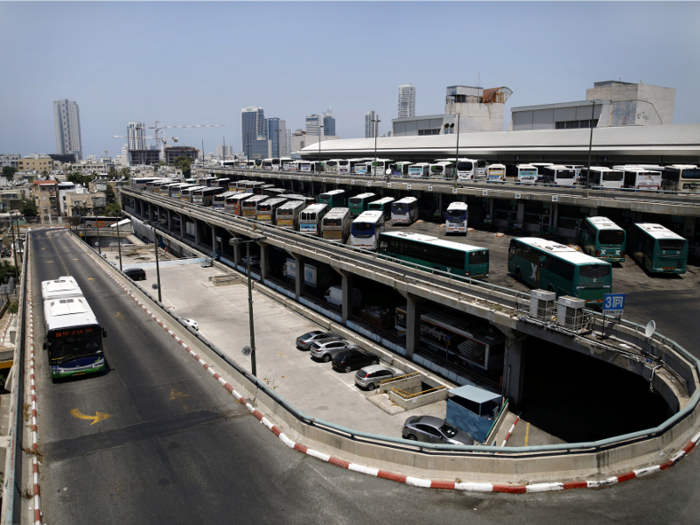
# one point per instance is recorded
(97, 244)
(246, 350)
(388, 172)
(650, 329)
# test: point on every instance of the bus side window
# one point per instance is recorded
(511, 252)
(543, 260)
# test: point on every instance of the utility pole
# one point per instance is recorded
(590, 146)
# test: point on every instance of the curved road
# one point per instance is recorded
(179, 449)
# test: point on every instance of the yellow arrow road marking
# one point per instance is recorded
(91, 278)
(176, 394)
(99, 416)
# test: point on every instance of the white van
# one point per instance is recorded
(334, 295)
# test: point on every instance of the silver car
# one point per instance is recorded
(305, 341)
(369, 377)
(434, 430)
(325, 350)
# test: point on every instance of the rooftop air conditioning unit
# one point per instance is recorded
(570, 312)
(542, 304)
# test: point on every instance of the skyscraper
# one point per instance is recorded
(277, 132)
(315, 120)
(66, 118)
(369, 125)
(136, 131)
(328, 123)
(253, 125)
(407, 101)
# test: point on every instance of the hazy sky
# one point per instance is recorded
(200, 63)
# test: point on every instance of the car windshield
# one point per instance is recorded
(308, 335)
(448, 430)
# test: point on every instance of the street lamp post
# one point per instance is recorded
(14, 243)
(457, 152)
(119, 241)
(155, 238)
(247, 140)
(376, 132)
(590, 146)
(237, 242)
(319, 147)
(99, 243)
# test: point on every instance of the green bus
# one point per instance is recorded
(435, 253)
(383, 205)
(548, 265)
(603, 239)
(333, 198)
(657, 249)
(358, 204)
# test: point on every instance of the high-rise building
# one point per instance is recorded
(328, 124)
(315, 120)
(136, 131)
(370, 126)
(224, 151)
(66, 118)
(277, 133)
(253, 125)
(407, 101)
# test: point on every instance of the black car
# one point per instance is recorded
(135, 274)
(349, 360)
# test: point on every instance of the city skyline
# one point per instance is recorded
(536, 71)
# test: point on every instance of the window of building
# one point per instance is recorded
(428, 132)
(574, 124)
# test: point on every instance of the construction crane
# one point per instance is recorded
(160, 137)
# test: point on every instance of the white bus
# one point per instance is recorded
(559, 175)
(601, 177)
(331, 166)
(219, 201)
(266, 210)
(496, 172)
(175, 190)
(442, 170)
(310, 218)
(404, 211)
(466, 169)
(233, 202)
(362, 168)
(540, 169)
(335, 225)
(271, 164)
(288, 214)
(365, 230)
(640, 178)
(456, 218)
(383, 205)
(380, 166)
(286, 164)
(681, 177)
(419, 170)
(65, 286)
(527, 173)
(249, 207)
(310, 166)
(186, 194)
(250, 164)
(400, 169)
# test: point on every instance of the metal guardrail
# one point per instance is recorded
(465, 450)
(408, 395)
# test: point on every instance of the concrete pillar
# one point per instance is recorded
(521, 213)
(689, 227)
(236, 250)
(593, 211)
(196, 233)
(555, 216)
(440, 203)
(413, 313)
(514, 369)
(170, 220)
(298, 276)
(264, 260)
(491, 204)
(214, 246)
(347, 296)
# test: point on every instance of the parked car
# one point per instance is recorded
(434, 430)
(349, 360)
(135, 274)
(254, 261)
(371, 376)
(191, 323)
(325, 350)
(305, 341)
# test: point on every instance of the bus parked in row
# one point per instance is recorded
(266, 209)
(287, 164)
(335, 225)
(540, 166)
(334, 198)
(365, 230)
(310, 166)
(559, 175)
(404, 211)
(271, 164)
(603, 239)
(306, 200)
(436, 254)
(383, 205)
(657, 249)
(548, 265)
(419, 170)
(527, 174)
(601, 177)
(187, 193)
(362, 168)
(380, 166)
(205, 196)
(640, 178)
(175, 190)
(249, 207)
(238, 185)
(233, 203)
(140, 182)
(456, 218)
(275, 192)
(219, 201)
(359, 203)
(400, 169)
(310, 218)
(442, 170)
(496, 172)
(347, 166)
(222, 182)
(681, 177)
(254, 187)
(288, 214)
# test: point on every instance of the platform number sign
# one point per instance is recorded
(613, 303)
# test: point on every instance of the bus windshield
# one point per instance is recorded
(333, 222)
(594, 271)
(456, 214)
(465, 166)
(479, 257)
(671, 245)
(691, 174)
(400, 207)
(611, 237)
(67, 345)
(363, 227)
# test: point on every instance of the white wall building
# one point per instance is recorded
(66, 117)
(370, 126)
(224, 151)
(407, 101)
(136, 131)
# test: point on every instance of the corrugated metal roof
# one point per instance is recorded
(674, 137)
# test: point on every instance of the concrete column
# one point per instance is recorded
(264, 260)
(298, 276)
(347, 296)
(514, 369)
(440, 203)
(214, 247)
(521, 213)
(491, 204)
(236, 250)
(413, 313)
(170, 220)
(196, 233)
(555, 216)
(689, 227)
(593, 211)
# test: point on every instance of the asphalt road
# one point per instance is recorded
(178, 449)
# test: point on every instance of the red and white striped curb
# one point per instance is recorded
(510, 432)
(32, 381)
(467, 486)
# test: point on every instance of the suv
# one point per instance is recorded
(349, 360)
(325, 350)
(305, 341)
(371, 376)
(135, 274)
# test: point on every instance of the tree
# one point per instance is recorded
(45, 174)
(110, 196)
(78, 178)
(113, 210)
(184, 163)
(125, 173)
(7, 270)
(9, 172)
(29, 209)
(113, 174)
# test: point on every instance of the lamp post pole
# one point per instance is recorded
(99, 242)
(319, 147)
(247, 140)
(119, 241)
(376, 132)
(14, 243)
(155, 236)
(590, 146)
(457, 153)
